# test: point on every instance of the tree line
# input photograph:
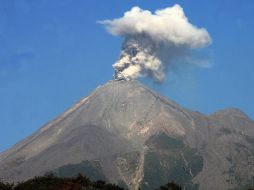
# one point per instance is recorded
(80, 182)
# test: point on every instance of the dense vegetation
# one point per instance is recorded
(51, 182)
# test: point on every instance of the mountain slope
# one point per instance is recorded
(127, 134)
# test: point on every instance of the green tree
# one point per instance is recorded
(5, 186)
(170, 186)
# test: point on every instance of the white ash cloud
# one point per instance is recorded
(154, 40)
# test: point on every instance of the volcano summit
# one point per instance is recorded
(127, 134)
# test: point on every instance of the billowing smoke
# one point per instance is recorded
(153, 41)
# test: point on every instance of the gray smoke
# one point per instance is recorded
(153, 41)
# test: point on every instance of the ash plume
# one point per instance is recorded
(152, 41)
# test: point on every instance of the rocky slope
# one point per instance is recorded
(127, 134)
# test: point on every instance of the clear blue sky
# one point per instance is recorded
(53, 53)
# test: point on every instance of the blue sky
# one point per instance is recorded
(53, 53)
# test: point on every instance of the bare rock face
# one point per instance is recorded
(127, 134)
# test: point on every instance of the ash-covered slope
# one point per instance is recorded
(127, 134)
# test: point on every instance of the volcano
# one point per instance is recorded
(127, 134)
